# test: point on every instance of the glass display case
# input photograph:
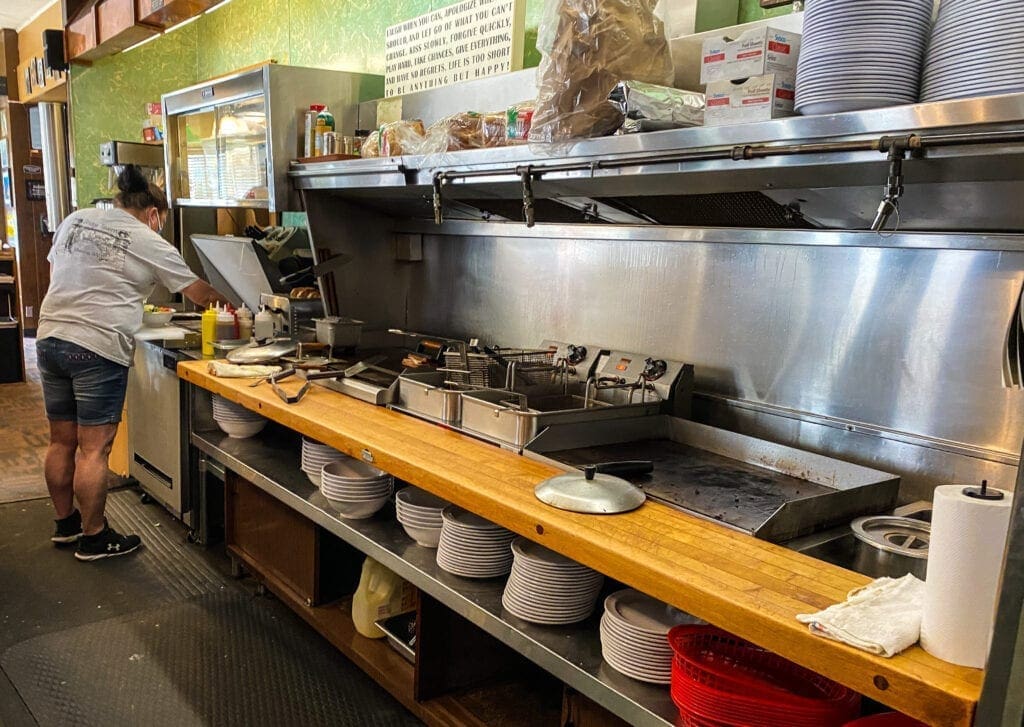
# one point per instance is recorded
(229, 141)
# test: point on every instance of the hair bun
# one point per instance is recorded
(131, 180)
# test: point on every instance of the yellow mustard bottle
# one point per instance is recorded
(208, 329)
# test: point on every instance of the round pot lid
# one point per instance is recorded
(893, 534)
(590, 492)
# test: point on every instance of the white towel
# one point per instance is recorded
(883, 617)
(234, 371)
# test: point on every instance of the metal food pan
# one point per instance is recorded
(514, 420)
(430, 395)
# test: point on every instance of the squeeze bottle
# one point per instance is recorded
(208, 329)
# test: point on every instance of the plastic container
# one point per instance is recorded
(208, 330)
(263, 324)
(380, 595)
(309, 129)
(324, 125)
(225, 325)
(245, 322)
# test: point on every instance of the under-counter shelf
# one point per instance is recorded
(746, 586)
(571, 653)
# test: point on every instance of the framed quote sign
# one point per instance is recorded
(462, 42)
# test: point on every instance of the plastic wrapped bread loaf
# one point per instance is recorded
(466, 130)
(589, 46)
(401, 137)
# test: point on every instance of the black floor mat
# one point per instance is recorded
(159, 637)
(44, 589)
(221, 659)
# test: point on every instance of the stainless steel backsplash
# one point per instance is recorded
(884, 351)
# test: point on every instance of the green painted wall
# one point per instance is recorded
(750, 10)
(108, 99)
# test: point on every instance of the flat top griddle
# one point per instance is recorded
(719, 488)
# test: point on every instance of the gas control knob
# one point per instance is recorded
(654, 368)
(575, 354)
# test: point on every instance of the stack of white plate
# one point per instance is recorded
(548, 588)
(420, 515)
(356, 490)
(472, 547)
(315, 456)
(235, 420)
(634, 635)
(861, 55)
(977, 49)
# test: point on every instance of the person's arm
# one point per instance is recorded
(203, 294)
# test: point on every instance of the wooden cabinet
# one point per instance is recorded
(166, 14)
(80, 38)
(118, 26)
(282, 546)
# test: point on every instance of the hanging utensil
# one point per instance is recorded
(594, 491)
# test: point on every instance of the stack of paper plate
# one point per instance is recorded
(861, 55)
(977, 49)
(356, 489)
(634, 635)
(235, 420)
(473, 547)
(419, 513)
(548, 588)
(315, 456)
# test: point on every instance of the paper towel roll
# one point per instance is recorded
(965, 557)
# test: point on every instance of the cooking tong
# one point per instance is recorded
(311, 376)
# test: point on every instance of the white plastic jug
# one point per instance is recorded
(381, 594)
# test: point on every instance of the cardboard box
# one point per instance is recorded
(756, 99)
(756, 52)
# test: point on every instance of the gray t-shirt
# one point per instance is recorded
(103, 265)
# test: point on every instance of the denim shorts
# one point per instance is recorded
(79, 385)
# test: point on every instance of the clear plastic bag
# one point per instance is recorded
(588, 46)
(401, 137)
(371, 145)
(466, 130)
(518, 120)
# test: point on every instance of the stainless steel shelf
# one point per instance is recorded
(570, 653)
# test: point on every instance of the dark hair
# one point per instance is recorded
(138, 193)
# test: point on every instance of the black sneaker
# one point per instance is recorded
(106, 544)
(69, 529)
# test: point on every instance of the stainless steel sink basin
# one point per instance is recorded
(838, 546)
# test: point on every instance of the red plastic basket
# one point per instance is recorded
(721, 679)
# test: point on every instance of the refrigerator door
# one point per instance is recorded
(53, 135)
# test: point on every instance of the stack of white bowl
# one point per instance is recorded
(473, 547)
(355, 489)
(315, 456)
(634, 635)
(548, 588)
(977, 49)
(419, 512)
(861, 55)
(235, 420)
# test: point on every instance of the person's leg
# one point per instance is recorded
(59, 468)
(91, 474)
(61, 410)
(99, 386)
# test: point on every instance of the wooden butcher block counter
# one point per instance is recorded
(749, 587)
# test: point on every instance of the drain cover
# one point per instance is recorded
(893, 534)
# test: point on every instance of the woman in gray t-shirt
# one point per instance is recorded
(103, 265)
